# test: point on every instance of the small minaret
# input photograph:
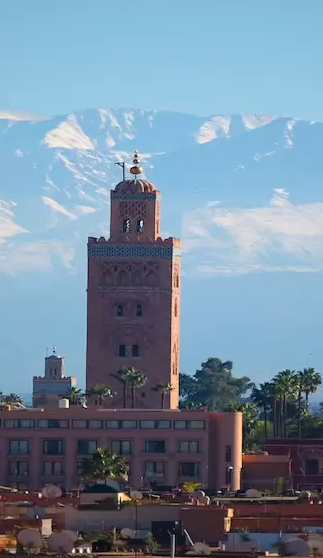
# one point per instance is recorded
(54, 385)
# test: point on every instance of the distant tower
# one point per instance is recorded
(133, 295)
(54, 385)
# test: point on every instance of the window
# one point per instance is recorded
(124, 424)
(19, 447)
(140, 225)
(126, 226)
(175, 309)
(119, 310)
(86, 447)
(188, 469)
(121, 447)
(196, 424)
(176, 282)
(135, 350)
(154, 469)
(122, 351)
(139, 311)
(94, 424)
(79, 423)
(80, 466)
(190, 424)
(18, 468)
(188, 447)
(15, 423)
(52, 423)
(147, 424)
(128, 424)
(179, 424)
(163, 424)
(228, 476)
(228, 454)
(155, 446)
(53, 468)
(159, 424)
(53, 447)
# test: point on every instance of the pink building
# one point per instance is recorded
(133, 320)
(133, 296)
(40, 446)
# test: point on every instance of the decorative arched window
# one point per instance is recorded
(139, 310)
(126, 225)
(140, 225)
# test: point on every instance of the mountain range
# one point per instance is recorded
(244, 192)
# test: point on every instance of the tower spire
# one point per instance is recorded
(136, 169)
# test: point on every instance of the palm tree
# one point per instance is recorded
(137, 380)
(249, 420)
(164, 389)
(123, 376)
(311, 382)
(104, 464)
(300, 390)
(100, 393)
(286, 388)
(75, 396)
(263, 397)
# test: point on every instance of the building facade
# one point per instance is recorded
(54, 385)
(306, 456)
(133, 296)
(162, 447)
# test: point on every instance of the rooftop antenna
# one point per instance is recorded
(47, 351)
(122, 164)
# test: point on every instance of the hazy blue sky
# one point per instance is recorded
(199, 56)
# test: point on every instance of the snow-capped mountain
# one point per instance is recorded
(243, 191)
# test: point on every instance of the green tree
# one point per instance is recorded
(263, 399)
(311, 382)
(11, 399)
(214, 385)
(137, 380)
(100, 393)
(249, 421)
(104, 464)
(75, 396)
(123, 376)
(164, 389)
(286, 389)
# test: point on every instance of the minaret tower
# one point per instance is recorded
(133, 296)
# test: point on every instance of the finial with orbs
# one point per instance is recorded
(136, 169)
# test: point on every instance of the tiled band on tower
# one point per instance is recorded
(133, 296)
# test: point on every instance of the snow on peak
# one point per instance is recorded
(68, 135)
(253, 121)
(211, 128)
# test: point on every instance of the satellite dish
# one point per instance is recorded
(136, 495)
(30, 539)
(35, 512)
(204, 500)
(253, 493)
(60, 543)
(71, 534)
(202, 548)
(143, 534)
(51, 491)
(198, 494)
(127, 533)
